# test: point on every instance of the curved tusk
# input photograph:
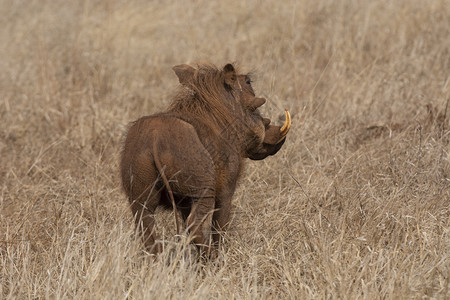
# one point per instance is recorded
(287, 124)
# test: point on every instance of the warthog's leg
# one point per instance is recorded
(221, 217)
(144, 198)
(200, 219)
(145, 224)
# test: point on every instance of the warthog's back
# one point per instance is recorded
(174, 143)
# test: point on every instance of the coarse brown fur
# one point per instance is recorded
(190, 156)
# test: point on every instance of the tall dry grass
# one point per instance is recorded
(355, 205)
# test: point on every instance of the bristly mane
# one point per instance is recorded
(204, 98)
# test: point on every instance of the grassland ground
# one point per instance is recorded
(355, 205)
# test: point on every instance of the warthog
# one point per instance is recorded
(190, 157)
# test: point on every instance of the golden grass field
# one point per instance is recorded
(356, 205)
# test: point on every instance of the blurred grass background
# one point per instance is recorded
(355, 205)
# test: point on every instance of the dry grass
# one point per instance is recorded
(356, 204)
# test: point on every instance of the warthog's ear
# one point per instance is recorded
(230, 74)
(185, 73)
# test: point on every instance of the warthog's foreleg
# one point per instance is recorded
(221, 217)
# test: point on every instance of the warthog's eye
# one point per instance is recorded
(248, 81)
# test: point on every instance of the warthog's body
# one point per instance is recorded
(190, 156)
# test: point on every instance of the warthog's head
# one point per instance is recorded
(230, 100)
